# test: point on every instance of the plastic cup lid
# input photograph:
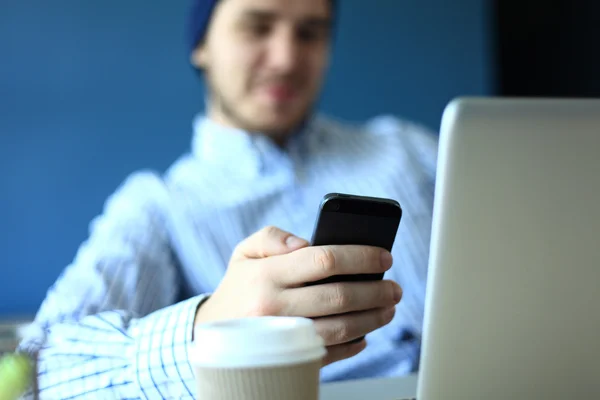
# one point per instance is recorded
(256, 342)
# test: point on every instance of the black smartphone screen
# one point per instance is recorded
(347, 219)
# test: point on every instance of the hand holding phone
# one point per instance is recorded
(267, 275)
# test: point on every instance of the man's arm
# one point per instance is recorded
(126, 263)
(89, 339)
(112, 355)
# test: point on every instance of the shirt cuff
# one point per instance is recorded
(161, 361)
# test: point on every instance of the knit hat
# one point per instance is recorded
(199, 19)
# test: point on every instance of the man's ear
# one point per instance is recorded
(199, 58)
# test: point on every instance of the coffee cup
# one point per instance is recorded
(258, 358)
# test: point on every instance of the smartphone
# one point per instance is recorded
(348, 219)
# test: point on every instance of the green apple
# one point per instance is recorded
(16, 372)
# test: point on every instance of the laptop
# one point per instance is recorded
(513, 297)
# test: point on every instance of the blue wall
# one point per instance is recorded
(93, 90)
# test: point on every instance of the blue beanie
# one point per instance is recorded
(199, 18)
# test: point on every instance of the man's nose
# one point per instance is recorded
(284, 51)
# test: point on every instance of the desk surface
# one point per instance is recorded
(371, 389)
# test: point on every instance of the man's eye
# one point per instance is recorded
(258, 29)
(310, 34)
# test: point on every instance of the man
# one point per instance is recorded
(180, 249)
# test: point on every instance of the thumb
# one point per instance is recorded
(269, 241)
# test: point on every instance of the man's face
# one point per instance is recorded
(264, 62)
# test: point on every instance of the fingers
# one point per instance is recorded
(311, 264)
(267, 242)
(340, 329)
(341, 298)
(343, 351)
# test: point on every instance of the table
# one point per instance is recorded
(371, 389)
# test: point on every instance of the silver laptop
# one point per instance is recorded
(513, 297)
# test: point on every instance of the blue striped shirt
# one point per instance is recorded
(118, 321)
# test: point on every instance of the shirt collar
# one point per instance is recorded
(248, 154)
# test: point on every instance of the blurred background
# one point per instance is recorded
(91, 91)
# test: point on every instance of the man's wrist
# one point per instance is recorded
(198, 316)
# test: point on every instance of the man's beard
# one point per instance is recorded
(229, 111)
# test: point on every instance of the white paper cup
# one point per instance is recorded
(262, 358)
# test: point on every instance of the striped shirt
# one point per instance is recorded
(118, 321)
